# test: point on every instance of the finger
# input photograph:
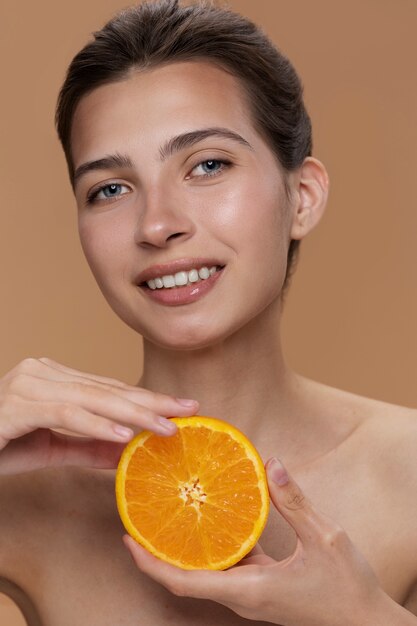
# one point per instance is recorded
(28, 416)
(163, 404)
(203, 584)
(293, 505)
(101, 402)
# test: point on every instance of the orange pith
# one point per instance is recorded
(198, 499)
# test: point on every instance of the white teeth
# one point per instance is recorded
(169, 281)
(193, 276)
(204, 272)
(181, 278)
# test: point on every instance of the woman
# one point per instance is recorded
(189, 151)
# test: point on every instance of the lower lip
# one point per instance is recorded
(176, 296)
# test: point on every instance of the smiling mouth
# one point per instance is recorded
(184, 278)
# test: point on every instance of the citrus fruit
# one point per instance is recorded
(198, 499)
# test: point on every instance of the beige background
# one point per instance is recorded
(350, 318)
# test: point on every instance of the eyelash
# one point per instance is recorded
(223, 162)
(91, 198)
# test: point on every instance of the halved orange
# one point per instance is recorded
(198, 499)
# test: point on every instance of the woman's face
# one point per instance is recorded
(215, 198)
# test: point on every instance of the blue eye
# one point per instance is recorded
(212, 166)
(112, 190)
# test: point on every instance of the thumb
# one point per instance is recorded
(290, 501)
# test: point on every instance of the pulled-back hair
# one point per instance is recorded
(157, 33)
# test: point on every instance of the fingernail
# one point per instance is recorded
(166, 426)
(277, 472)
(186, 402)
(122, 432)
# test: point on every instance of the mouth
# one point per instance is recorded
(181, 280)
(184, 287)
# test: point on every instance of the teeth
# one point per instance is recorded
(169, 281)
(204, 272)
(193, 276)
(181, 278)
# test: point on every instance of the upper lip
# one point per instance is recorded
(175, 266)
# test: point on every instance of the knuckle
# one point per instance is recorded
(335, 537)
(27, 365)
(295, 500)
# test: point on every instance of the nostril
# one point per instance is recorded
(174, 236)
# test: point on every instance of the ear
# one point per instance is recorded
(310, 197)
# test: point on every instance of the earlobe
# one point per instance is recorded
(311, 197)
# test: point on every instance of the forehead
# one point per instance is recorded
(150, 105)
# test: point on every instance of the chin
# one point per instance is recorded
(184, 341)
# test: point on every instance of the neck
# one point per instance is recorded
(242, 379)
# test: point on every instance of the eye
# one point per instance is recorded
(107, 192)
(211, 167)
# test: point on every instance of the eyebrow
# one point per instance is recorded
(173, 145)
(185, 140)
(106, 163)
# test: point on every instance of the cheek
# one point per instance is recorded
(104, 246)
(256, 223)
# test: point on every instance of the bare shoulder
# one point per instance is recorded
(385, 448)
(386, 435)
(381, 458)
(390, 431)
(376, 438)
(393, 435)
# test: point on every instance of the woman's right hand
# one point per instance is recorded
(39, 395)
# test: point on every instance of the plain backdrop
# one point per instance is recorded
(350, 316)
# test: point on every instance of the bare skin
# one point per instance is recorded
(65, 549)
(352, 457)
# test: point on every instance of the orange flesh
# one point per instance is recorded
(194, 499)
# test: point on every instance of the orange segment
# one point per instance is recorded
(197, 499)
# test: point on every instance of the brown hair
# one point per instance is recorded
(160, 32)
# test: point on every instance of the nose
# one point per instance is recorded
(162, 218)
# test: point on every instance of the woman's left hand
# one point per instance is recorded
(325, 582)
